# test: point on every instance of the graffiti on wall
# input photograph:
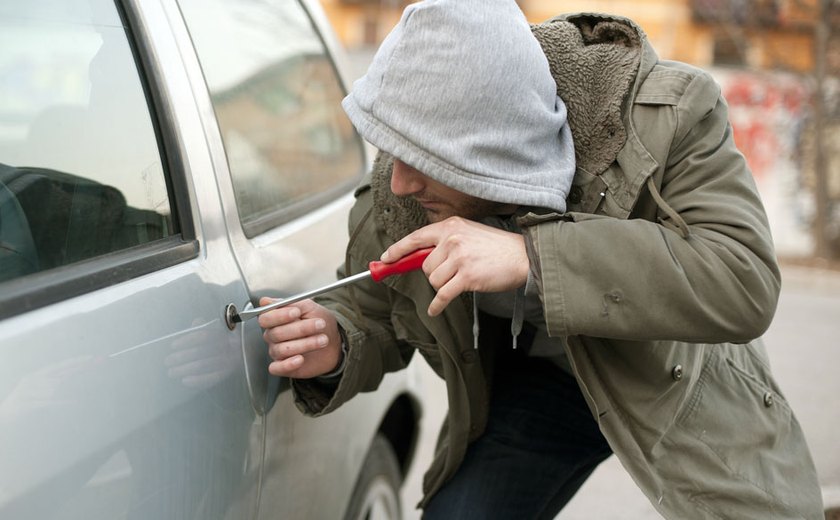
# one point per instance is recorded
(770, 114)
(767, 113)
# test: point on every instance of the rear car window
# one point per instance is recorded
(81, 174)
(277, 100)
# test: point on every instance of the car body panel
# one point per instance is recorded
(135, 399)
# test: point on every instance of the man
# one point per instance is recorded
(614, 315)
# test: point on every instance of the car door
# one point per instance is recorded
(291, 157)
(288, 162)
(123, 393)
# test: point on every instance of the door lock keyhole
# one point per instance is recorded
(230, 313)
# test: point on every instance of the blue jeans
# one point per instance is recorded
(540, 445)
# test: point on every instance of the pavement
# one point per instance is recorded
(802, 344)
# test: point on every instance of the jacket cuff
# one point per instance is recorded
(319, 395)
(533, 286)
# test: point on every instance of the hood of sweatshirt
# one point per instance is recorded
(595, 60)
(462, 91)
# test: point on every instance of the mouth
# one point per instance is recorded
(428, 204)
(436, 210)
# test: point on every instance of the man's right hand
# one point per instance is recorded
(468, 256)
(303, 339)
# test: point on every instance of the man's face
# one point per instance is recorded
(441, 201)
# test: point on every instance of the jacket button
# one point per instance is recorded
(677, 372)
(768, 399)
(576, 195)
(469, 356)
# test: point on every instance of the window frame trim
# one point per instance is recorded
(288, 213)
(38, 290)
(162, 118)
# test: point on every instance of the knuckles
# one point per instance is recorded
(273, 352)
(454, 223)
(268, 337)
(454, 241)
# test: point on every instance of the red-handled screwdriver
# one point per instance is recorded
(377, 270)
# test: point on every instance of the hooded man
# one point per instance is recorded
(584, 296)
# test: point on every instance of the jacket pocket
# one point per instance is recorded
(749, 427)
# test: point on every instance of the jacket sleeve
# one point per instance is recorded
(363, 311)
(637, 279)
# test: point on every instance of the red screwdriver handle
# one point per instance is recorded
(410, 262)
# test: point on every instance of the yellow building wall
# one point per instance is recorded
(665, 22)
(785, 50)
(351, 22)
(668, 24)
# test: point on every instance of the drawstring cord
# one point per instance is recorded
(475, 320)
(357, 309)
(676, 222)
(516, 323)
(518, 318)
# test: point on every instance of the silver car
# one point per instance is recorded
(160, 160)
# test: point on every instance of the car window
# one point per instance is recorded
(277, 100)
(80, 170)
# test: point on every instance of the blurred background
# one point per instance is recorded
(778, 63)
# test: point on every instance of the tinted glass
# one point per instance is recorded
(80, 170)
(278, 103)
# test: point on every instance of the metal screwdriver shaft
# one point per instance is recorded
(377, 270)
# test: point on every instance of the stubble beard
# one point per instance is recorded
(475, 210)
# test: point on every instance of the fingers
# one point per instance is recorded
(279, 316)
(439, 270)
(427, 236)
(446, 280)
(444, 297)
(287, 367)
(286, 349)
(291, 330)
(302, 338)
(450, 279)
(298, 358)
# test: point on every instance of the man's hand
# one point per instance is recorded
(468, 256)
(303, 339)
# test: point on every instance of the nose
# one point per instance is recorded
(405, 179)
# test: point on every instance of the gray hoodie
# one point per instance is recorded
(461, 90)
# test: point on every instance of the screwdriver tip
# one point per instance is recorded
(231, 316)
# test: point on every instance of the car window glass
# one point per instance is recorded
(80, 170)
(277, 100)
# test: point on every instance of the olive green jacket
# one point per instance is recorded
(661, 275)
